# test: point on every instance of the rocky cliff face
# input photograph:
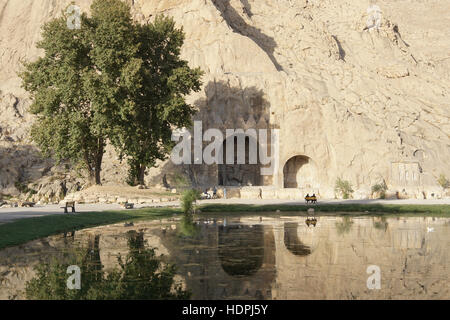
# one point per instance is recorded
(364, 104)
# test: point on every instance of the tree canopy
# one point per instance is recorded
(159, 81)
(113, 80)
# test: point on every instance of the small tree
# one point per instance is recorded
(188, 200)
(343, 187)
(188, 228)
(443, 181)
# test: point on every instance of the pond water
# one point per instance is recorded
(273, 257)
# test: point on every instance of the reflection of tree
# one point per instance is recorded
(141, 275)
(91, 263)
(188, 228)
(69, 237)
(344, 226)
(292, 242)
(241, 252)
(380, 224)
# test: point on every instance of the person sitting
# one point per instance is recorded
(313, 198)
(214, 192)
(206, 195)
(307, 198)
(311, 221)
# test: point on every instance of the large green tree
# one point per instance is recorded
(159, 80)
(112, 79)
(77, 84)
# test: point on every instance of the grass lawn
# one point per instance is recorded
(24, 230)
(435, 210)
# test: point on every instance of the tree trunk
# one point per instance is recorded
(141, 174)
(90, 169)
(94, 175)
(93, 160)
(91, 176)
(98, 181)
(98, 161)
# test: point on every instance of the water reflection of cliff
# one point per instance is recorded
(278, 258)
(226, 262)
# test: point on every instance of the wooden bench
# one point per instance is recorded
(311, 221)
(69, 204)
(128, 205)
(28, 204)
(311, 199)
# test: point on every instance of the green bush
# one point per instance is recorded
(443, 181)
(343, 187)
(188, 228)
(381, 223)
(344, 226)
(381, 188)
(188, 200)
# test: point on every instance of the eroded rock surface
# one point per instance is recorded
(364, 104)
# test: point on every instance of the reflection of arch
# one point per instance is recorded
(240, 174)
(206, 260)
(292, 242)
(241, 250)
(299, 172)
